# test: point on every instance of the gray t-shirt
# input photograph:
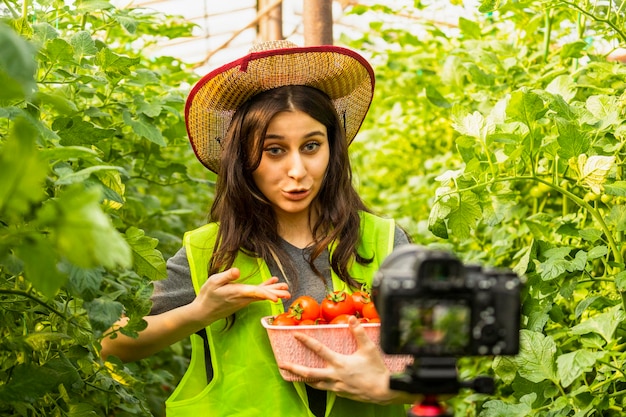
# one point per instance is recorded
(177, 289)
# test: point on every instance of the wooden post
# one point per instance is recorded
(271, 24)
(318, 22)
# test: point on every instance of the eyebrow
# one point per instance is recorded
(308, 135)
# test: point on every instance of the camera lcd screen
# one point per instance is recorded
(431, 327)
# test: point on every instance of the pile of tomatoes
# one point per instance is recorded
(336, 308)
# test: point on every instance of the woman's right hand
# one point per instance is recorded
(220, 296)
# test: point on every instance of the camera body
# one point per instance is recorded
(432, 305)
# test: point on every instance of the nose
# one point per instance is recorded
(297, 169)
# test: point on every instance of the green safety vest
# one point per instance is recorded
(246, 380)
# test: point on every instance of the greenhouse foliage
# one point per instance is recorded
(500, 140)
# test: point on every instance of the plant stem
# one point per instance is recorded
(25, 10)
(11, 9)
(31, 297)
(582, 203)
(547, 34)
(612, 25)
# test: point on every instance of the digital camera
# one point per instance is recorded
(432, 305)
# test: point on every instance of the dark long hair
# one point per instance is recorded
(246, 218)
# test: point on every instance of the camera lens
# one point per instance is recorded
(489, 334)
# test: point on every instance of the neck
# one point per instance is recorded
(296, 230)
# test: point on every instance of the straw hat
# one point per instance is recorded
(345, 76)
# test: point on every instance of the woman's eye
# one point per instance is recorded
(311, 146)
(273, 151)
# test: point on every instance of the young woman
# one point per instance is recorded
(275, 126)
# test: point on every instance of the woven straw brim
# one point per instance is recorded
(342, 74)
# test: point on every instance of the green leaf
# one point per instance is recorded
(22, 171)
(505, 368)
(83, 45)
(145, 128)
(536, 359)
(574, 49)
(103, 312)
(59, 52)
(17, 66)
(29, 382)
(438, 228)
(147, 260)
(44, 32)
(603, 324)
(82, 410)
(83, 174)
(617, 217)
(84, 282)
(129, 23)
(572, 140)
(499, 408)
(598, 252)
(583, 304)
(617, 188)
(526, 107)
(572, 365)
(464, 218)
(564, 89)
(82, 232)
(435, 97)
(68, 153)
(557, 263)
(606, 109)
(56, 100)
(488, 6)
(76, 132)
(590, 234)
(620, 281)
(469, 28)
(40, 265)
(87, 6)
(579, 262)
(114, 65)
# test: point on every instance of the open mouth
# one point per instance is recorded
(297, 194)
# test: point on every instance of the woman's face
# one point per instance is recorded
(295, 156)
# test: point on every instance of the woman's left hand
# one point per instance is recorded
(361, 376)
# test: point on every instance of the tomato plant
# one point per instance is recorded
(94, 194)
(518, 115)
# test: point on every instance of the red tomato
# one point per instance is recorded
(361, 298)
(369, 311)
(341, 319)
(307, 322)
(305, 308)
(284, 319)
(337, 303)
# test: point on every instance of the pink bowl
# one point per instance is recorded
(336, 336)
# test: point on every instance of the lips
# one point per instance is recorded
(296, 195)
